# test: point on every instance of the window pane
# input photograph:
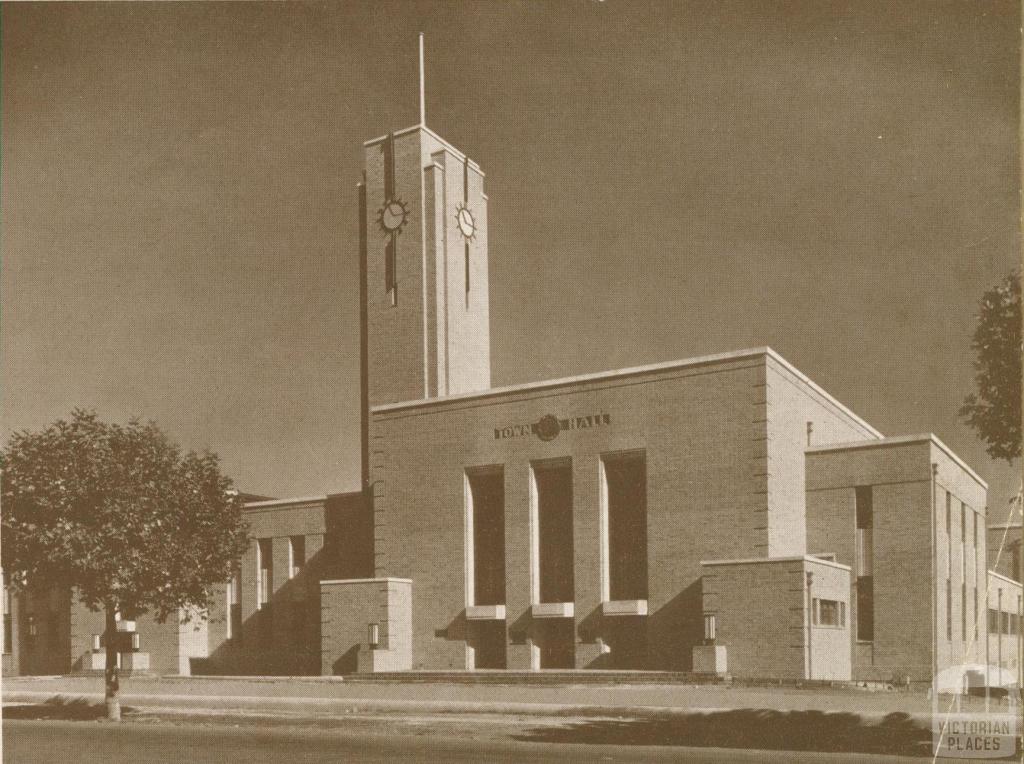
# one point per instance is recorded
(865, 610)
(829, 612)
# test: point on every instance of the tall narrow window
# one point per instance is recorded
(393, 217)
(234, 624)
(975, 613)
(865, 521)
(264, 589)
(391, 269)
(264, 571)
(468, 231)
(963, 542)
(554, 543)
(296, 555)
(949, 610)
(949, 514)
(8, 623)
(625, 526)
(485, 497)
(963, 611)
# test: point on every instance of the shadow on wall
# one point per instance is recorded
(285, 638)
(675, 628)
(896, 734)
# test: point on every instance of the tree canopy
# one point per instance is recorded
(994, 411)
(119, 513)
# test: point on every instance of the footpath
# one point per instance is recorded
(331, 696)
(547, 709)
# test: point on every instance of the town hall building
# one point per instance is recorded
(720, 515)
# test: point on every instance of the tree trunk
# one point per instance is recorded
(111, 683)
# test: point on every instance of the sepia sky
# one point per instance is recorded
(179, 229)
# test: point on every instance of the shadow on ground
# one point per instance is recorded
(63, 709)
(896, 734)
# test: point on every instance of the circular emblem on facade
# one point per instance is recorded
(393, 215)
(548, 427)
(466, 223)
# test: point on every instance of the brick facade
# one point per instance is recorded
(909, 592)
(764, 617)
(703, 428)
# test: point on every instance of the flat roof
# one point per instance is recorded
(901, 440)
(284, 502)
(1007, 579)
(765, 560)
(600, 376)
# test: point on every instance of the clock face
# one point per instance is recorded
(466, 223)
(393, 215)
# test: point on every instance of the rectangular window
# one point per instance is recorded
(391, 269)
(975, 613)
(1004, 622)
(553, 544)
(993, 621)
(296, 555)
(963, 611)
(264, 571)
(624, 527)
(865, 521)
(828, 613)
(8, 622)
(234, 622)
(865, 525)
(949, 610)
(949, 514)
(865, 609)
(975, 529)
(485, 537)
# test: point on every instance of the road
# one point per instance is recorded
(82, 742)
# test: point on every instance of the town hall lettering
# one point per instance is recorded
(549, 426)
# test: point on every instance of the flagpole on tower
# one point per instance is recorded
(423, 109)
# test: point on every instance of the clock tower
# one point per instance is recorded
(423, 244)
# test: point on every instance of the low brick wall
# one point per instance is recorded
(348, 607)
(761, 616)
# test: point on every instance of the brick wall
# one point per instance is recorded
(435, 339)
(338, 537)
(899, 472)
(348, 607)
(793, 403)
(1004, 650)
(761, 612)
(703, 427)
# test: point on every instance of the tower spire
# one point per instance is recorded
(423, 109)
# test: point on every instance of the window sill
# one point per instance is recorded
(552, 610)
(485, 613)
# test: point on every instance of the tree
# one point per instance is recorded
(122, 516)
(995, 410)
